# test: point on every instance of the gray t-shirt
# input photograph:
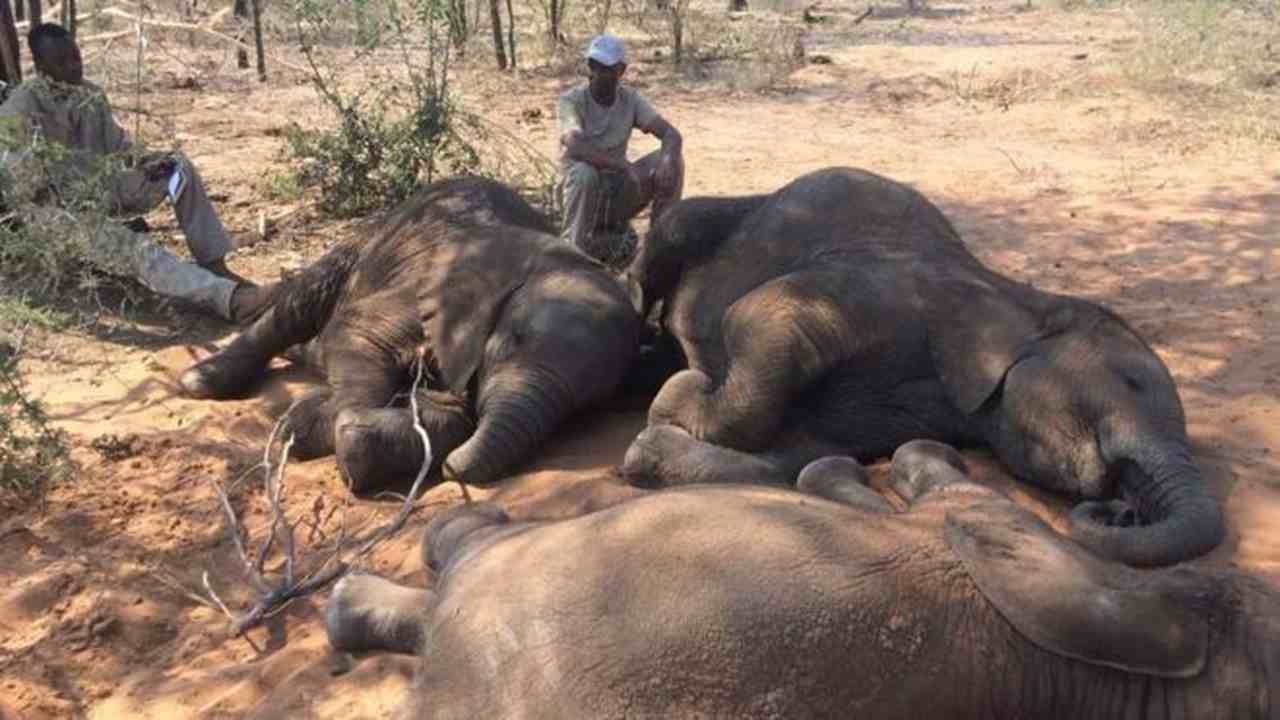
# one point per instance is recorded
(608, 128)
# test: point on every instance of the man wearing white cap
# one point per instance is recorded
(602, 190)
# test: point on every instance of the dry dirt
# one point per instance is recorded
(1015, 123)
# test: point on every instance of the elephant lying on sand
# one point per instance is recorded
(843, 315)
(740, 601)
(518, 330)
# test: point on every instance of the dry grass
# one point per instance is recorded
(1217, 60)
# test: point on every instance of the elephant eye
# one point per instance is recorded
(1133, 383)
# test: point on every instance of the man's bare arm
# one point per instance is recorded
(672, 140)
(578, 147)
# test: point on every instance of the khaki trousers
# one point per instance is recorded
(116, 249)
(598, 204)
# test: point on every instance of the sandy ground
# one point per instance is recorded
(1013, 122)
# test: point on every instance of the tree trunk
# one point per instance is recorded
(35, 11)
(499, 47)
(557, 16)
(511, 33)
(241, 10)
(257, 40)
(10, 58)
(456, 15)
(19, 12)
(70, 23)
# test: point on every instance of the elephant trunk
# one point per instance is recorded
(1179, 519)
(518, 410)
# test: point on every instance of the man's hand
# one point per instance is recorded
(667, 172)
(159, 168)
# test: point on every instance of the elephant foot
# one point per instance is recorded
(923, 467)
(311, 423)
(682, 402)
(667, 455)
(367, 613)
(377, 448)
(843, 480)
(222, 376)
(448, 530)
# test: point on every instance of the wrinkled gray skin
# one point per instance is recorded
(518, 330)
(752, 602)
(844, 315)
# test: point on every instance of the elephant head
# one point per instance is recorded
(1069, 395)
(686, 233)
(556, 343)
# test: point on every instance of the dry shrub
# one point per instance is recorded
(751, 52)
(33, 454)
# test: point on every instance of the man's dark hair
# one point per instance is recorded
(44, 33)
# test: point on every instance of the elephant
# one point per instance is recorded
(844, 315)
(465, 286)
(749, 601)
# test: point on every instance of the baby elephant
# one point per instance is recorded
(742, 601)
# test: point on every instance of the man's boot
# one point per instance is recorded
(219, 267)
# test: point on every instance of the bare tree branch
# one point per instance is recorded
(281, 534)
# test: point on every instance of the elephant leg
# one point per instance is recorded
(367, 613)
(449, 531)
(379, 447)
(311, 422)
(926, 469)
(300, 308)
(844, 480)
(778, 340)
(664, 455)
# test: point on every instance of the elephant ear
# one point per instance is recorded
(1073, 604)
(459, 318)
(975, 335)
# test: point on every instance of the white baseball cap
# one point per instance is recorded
(606, 50)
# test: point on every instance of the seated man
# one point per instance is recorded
(602, 190)
(64, 109)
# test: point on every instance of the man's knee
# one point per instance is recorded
(181, 161)
(580, 175)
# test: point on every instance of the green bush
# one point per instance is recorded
(397, 125)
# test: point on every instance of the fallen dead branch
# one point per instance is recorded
(192, 27)
(272, 597)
